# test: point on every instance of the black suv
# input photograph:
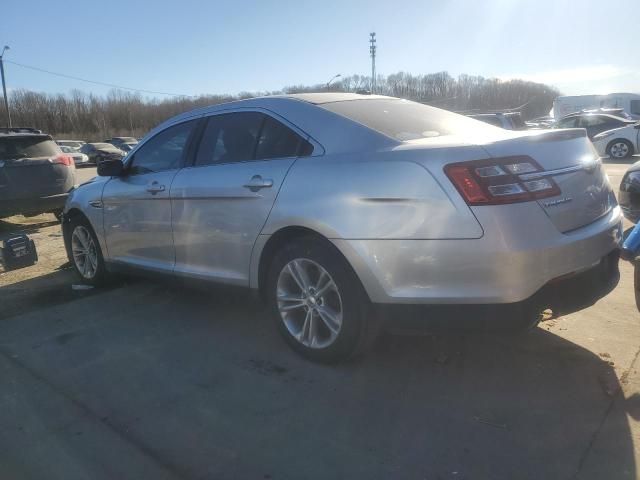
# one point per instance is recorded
(35, 175)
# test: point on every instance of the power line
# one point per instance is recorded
(94, 81)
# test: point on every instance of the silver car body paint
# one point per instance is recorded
(386, 205)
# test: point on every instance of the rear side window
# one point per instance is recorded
(278, 141)
(634, 107)
(404, 120)
(27, 147)
(164, 151)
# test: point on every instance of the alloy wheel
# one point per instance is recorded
(309, 303)
(619, 150)
(85, 253)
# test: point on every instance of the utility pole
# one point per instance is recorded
(372, 51)
(4, 87)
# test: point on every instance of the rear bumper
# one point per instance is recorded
(563, 295)
(519, 254)
(32, 206)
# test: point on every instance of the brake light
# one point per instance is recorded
(62, 159)
(501, 180)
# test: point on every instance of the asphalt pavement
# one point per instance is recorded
(148, 380)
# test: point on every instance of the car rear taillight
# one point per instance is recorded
(62, 159)
(501, 180)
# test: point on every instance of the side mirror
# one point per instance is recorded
(111, 168)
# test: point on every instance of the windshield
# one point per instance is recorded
(27, 147)
(404, 120)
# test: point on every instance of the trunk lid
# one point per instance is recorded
(570, 160)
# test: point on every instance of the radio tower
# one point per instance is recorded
(372, 51)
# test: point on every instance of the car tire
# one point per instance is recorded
(318, 303)
(84, 247)
(620, 148)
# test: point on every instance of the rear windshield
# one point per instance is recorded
(27, 147)
(404, 120)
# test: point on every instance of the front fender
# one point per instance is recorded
(87, 199)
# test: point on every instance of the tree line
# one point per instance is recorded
(90, 117)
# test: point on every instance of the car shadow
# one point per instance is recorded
(26, 225)
(203, 381)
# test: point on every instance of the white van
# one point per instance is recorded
(565, 105)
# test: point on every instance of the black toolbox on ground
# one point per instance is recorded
(17, 251)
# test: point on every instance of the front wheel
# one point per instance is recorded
(620, 148)
(317, 301)
(86, 255)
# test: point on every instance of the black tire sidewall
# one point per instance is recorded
(620, 140)
(101, 273)
(354, 301)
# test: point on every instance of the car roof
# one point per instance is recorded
(22, 132)
(330, 97)
(595, 114)
(304, 112)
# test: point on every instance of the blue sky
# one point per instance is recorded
(192, 47)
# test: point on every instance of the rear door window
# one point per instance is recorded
(592, 121)
(229, 138)
(27, 147)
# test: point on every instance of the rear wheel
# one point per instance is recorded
(317, 302)
(620, 148)
(86, 255)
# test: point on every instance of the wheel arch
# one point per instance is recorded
(72, 213)
(276, 241)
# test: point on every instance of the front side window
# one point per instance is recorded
(164, 151)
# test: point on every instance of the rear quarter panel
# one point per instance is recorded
(381, 195)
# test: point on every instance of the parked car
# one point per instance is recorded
(335, 205)
(540, 122)
(100, 151)
(619, 142)
(629, 194)
(35, 175)
(78, 157)
(594, 123)
(75, 144)
(507, 120)
(126, 147)
(118, 141)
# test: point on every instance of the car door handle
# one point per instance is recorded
(155, 187)
(257, 182)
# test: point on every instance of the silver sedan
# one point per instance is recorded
(335, 205)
